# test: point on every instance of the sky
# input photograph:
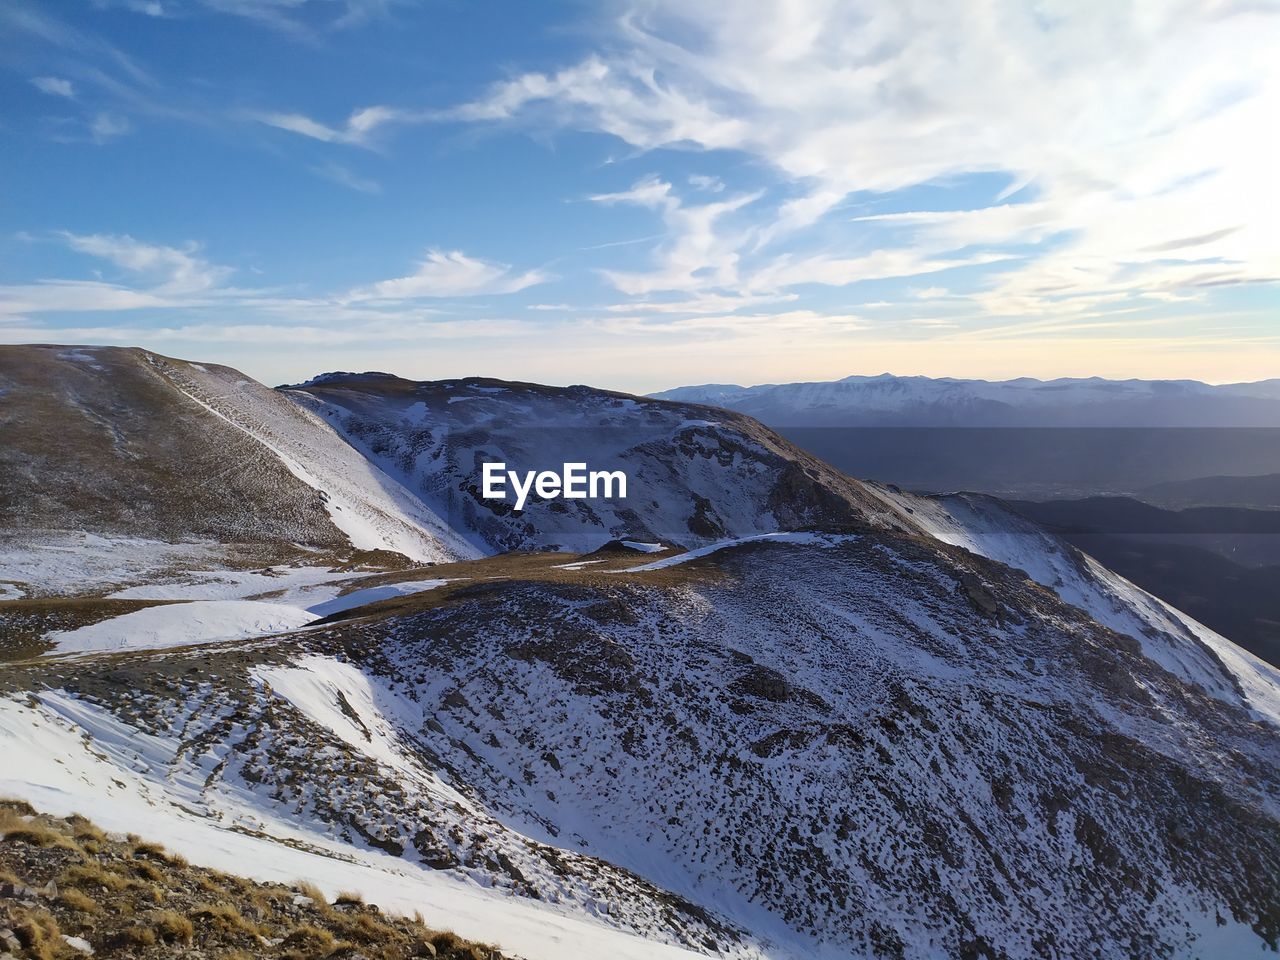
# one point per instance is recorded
(640, 195)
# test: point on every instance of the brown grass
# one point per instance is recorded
(316, 895)
(32, 831)
(309, 942)
(365, 928)
(78, 901)
(145, 848)
(93, 874)
(39, 934)
(148, 871)
(132, 898)
(83, 830)
(135, 937)
(223, 917)
(170, 926)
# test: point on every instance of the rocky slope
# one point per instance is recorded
(694, 476)
(846, 721)
(824, 745)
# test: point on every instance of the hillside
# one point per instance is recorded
(129, 460)
(1253, 492)
(756, 710)
(73, 890)
(868, 743)
(694, 477)
(1221, 565)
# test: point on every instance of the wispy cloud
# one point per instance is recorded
(55, 86)
(875, 98)
(450, 274)
(358, 130)
(171, 270)
(696, 255)
(343, 175)
(298, 17)
(106, 126)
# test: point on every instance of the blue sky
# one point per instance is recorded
(640, 195)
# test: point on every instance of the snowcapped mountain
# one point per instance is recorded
(691, 479)
(887, 400)
(124, 442)
(760, 710)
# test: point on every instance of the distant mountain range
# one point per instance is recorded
(1030, 439)
(891, 401)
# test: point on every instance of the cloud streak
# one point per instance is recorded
(449, 273)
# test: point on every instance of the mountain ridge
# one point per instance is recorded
(800, 715)
(889, 400)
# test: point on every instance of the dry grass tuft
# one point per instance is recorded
(39, 934)
(136, 937)
(308, 941)
(78, 901)
(170, 926)
(32, 831)
(93, 874)
(153, 851)
(148, 871)
(316, 896)
(223, 917)
(365, 928)
(83, 830)
(20, 807)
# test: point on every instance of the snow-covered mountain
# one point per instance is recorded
(691, 479)
(126, 443)
(773, 713)
(887, 400)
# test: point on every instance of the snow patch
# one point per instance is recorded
(182, 624)
(814, 539)
(64, 760)
(643, 547)
(358, 598)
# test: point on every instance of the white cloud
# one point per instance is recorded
(450, 274)
(696, 255)
(171, 270)
(703, 182)
(55, 86)
(1133, 125)
(358, 130)
(56, 296)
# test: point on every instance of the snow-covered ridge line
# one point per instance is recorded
(948, 401)
(815, 539)
(370, 508)
(1168, 637)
